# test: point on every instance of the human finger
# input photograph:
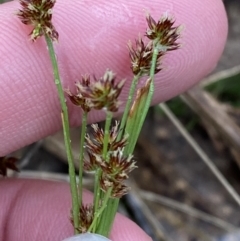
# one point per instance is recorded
(93, 37)
(39, 210)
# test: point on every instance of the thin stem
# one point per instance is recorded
(66, 132)
(82, 143)
(151, 90)
(103, 206)
(97, 190)
(154, 60)
(128, 104)
(133, 128)
(140, 117)
(106, 135)
(108, 216)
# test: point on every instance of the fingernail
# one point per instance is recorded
(87, 237)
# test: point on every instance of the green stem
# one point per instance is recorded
(106, 134)
(154, 61)
(147, 104)
(81, 159)
(151, 90)
(128, 104)
(156, 49)
(132, 127)
(97, 190)
(107, 217)
(103, 206)
(66, 132)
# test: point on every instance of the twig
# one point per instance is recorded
(188, 210)
(220, 75)
(200, 152)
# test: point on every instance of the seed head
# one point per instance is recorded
(78, 99)
(115, 171)
(93, 162)
(164, 32)
(38, 13)
(86, 215)
(103, 93)
(118, 166)
(95, 144)
(141, 57)
(118, 189)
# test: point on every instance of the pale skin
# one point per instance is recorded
(93, 37)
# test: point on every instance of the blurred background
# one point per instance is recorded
(187, 185)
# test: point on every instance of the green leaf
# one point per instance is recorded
(137, 115)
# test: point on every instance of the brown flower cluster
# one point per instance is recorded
(164, 32)
(161, 34)
(141, 57)
(99, 94)
(86, 215)
(38, 13)
(96, 145)
(7, 163)
(114, 170)
(78, 99)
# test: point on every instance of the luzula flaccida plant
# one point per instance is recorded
(109, 151)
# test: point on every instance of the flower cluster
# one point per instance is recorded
(99, 94)
(96, 145)
(7, 163)
(164, 32)
(38, 13)
(108, 153)
(115, 171)
(141, 57)
(86, 215)
(115, 168)
(78, 99)
(161, 34)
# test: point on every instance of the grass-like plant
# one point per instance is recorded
(109, 151)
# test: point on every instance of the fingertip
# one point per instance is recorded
(203, 40)
(125, 229)
(40, 210)
(93, 37)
